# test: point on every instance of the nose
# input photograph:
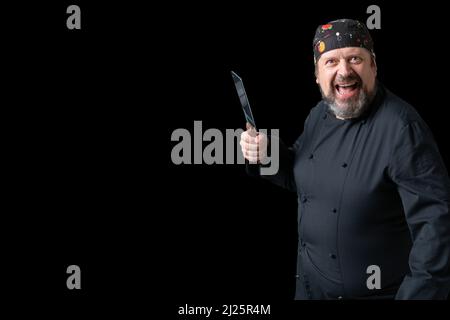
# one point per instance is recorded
(344, 69)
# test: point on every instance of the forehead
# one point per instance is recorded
(345, 52)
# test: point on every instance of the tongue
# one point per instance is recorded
(346, 92)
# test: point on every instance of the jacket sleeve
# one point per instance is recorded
(285, 175)
(424, 187)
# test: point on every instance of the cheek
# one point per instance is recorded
(325, 85)
(367, 75)
(325, 80)
(369, 79)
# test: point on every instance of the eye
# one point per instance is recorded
(330, 62)
(355, 59)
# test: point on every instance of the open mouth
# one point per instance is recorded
(347, 90)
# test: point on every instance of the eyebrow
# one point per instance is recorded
(350, 55)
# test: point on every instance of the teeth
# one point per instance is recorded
(345, 85)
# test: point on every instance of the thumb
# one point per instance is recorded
(249, 126)
(251, 130)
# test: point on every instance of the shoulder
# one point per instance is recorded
(399, 122)
(317, 112)
(396, 112)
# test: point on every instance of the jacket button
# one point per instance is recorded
(324, 116)
(344, 165)
(334, 210)
(332, 256)
(310, 156)
(304, 200)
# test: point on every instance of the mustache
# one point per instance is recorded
(346, 79)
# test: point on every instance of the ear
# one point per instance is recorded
(316, 72)
(374, 61)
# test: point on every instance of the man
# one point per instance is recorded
(373, 191)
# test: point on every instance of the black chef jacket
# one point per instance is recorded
(371, 191)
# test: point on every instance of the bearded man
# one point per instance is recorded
(373, 191)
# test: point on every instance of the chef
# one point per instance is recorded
(373, 191)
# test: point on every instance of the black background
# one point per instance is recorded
(88, 119)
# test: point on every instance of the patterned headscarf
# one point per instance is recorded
(341, 34)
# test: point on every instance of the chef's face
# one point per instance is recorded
(346, 78)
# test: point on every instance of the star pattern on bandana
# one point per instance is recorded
(340, 34)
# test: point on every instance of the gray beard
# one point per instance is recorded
(352, 108)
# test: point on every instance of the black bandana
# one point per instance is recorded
(341, 34)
